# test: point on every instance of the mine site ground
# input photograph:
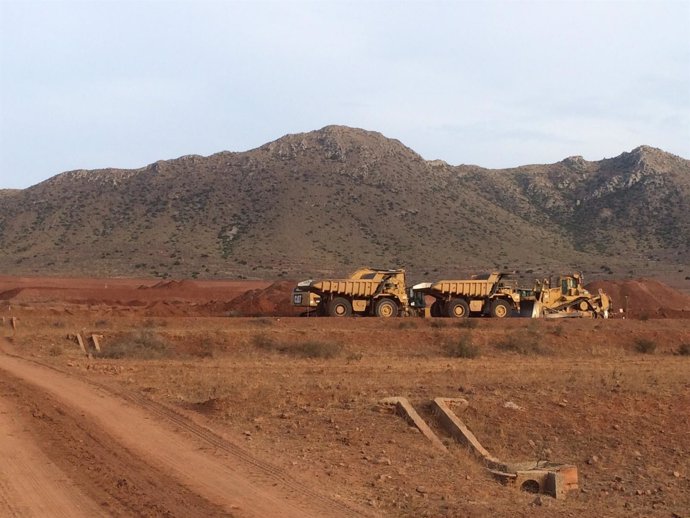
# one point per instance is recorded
(191, 410)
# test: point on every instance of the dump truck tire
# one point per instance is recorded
(386, 308)
(339, 307)
(436, 309)
(500, 309)
(457, 308)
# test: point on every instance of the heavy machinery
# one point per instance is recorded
(383, 293)
(488, 294)
(568, 298)
(368, 291)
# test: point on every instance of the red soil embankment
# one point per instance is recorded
(645, 298)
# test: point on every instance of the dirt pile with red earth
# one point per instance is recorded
(644, 298)
(275, 300)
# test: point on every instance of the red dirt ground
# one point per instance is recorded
(280, 416)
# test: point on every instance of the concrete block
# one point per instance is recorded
(80, 341)
(405, 409)
(96, 342)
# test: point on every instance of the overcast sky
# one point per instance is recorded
(495, 83)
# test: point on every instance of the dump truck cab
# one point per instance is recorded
(367, 291)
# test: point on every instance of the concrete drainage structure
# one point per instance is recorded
(545, 477)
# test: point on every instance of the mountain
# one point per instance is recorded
(334, 199)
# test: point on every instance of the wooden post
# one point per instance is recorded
(14, 325)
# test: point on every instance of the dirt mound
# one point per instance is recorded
(645, 298)
(173, 285)
(274, 300)
(10, 294)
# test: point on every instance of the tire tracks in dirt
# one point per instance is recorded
(81, 470)
(173, 454)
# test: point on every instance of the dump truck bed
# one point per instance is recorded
(465, 288)
(354, 288)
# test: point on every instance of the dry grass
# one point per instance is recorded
(462, 347)
(140, 345)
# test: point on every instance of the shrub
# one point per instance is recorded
(645, 346)
(407, 324)
(466, 323)
(463, 347)
(264, 342)
(522, 343)
(55, 350)
(437, 322)
(684, 349)
(142, 345)
(314, 349)
(309, 349)
(263, 321)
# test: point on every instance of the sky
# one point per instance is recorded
(93, 84)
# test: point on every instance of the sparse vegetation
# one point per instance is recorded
(466, 323)
(314, 349)
(308, 349)
(645, 345)
(141, 345)
(264, 321)
(684, 349)
(558, 330)
(462, 347)
(407, 324)
(524, 342)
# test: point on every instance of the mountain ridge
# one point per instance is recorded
(332, 199)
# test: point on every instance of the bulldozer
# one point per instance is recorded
(568, 298)
(368, 291)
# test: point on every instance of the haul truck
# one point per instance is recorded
(482, 294)
(368, 291)
(383, 293)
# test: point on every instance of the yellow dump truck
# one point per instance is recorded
(489, 294)
(383, 293)
(368, 291)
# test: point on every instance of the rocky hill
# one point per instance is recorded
(333, 199)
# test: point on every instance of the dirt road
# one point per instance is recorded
(76, 449)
